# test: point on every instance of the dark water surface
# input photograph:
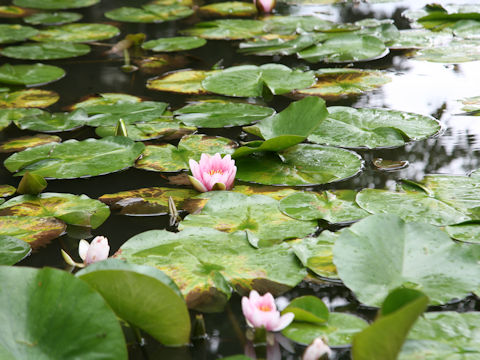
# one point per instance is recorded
(417, 86)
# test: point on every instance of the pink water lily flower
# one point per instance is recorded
(317, 350)
(261, 311)
(264, 6)
(97, 250)
(213, 172)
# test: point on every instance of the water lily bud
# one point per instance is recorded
(265, 6)
(97, 250)
(317, 350)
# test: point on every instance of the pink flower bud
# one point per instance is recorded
(264, 6)
(97, 250)
(316, 350)
(213, 172)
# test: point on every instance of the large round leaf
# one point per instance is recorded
(289, 25)
(382, 252)
(37, 74)
(150, 13)
(178, 43)
(28, 98)
(257, 215)
(207, 264)
(52, 18)
(34, 230)
(106, 99)
(55, 316)
(14, 33)
(55, 4)
(77, 33)
(73, 158)
(52, 122)
(457, 51)
(279, 46)
(229, 9)
(184, 82)
(144, 297)
(229, 29)
(45, 51)
(371, 128)
(302, 164)
(12, 250)
(25, 142)
(419, 39)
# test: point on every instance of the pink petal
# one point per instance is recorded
(83, 246)
(98, 250)
(284, 321)
(195, 168)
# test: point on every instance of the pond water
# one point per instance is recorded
(422, 87)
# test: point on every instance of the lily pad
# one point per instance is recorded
(219, 113)
(184, 82)
(28, 98)
(228, 29)
(52, 122)
(45, 51)
(106, 99)
(302, 164)
(346, 48)
(471, 104)
(31, 75)
(56, 298)
(332, 83)
(419, 39)
(308, 308)
(372, 128)
(279, 46)
(77, 33)
(55, 4)
(7, 190)
(72, 209)
(208, 264)
(167, 157)
(72, 158)
(52, 18)
(229, 8)
(288, 25)
(411, 255)
(8, 115)
(25, 142)
(250, 80)
(146, 201)
(14, 33)
(150, 13)
(257, 215)
(12, 250)
(457, 51)
(178, 43)
(127, 288)
(468, 231)
(34, 230)
(10, 11)
(334, 206)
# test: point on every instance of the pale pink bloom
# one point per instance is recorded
(212, 172)
(261, 311)
(264, 6)
(97, 250)
(316, 350)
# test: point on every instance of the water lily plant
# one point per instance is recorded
(264, 6)
(261, 312)
(92, 252)
(213, 172)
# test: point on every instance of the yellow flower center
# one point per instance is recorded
(216, 171)
(265, 308)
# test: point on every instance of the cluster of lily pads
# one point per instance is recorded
(396, 250)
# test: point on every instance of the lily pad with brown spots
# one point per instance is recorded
(10, 11)
(207, 264)
(146, 201)
(106, 99)
(80, 32)
(183, 82)
(25, 142)
(228, 8)
(28, 98)
(7, 190)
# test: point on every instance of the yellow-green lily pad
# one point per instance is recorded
(45, 51)
(150, 13)
(81, 32)
(28, 98)
(7, 190)
(25, 142)
(229, 8)
(228, 29)
(14, 33)
(52, 18)
(184, 82)
(37, 231)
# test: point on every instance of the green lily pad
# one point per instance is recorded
(457, 51)
(471, 104)
(146, 201)
(346, 48)
(144, 297)
(337, 331)
(52, 122)
(207, 264)
(279, 46)
(184, 82)
(289, 25)
(219, 113)
(302, 164)
(308, 308)
(45, 51)
(468, 231)
(77, 33)
(178, 43)
(229, 8)
(228, 29)
(34, 230)
(250, 80)
(55, 4)
(443, 335)
(31, 75)
(316, 253)
(106, 99)
(419, 39)
(332, 83)
(410, 206)
(7, 190)
(467, 29)
(56, 298)
(14, 33)
(72, 209)
(72, 158)
(372, 128)
(52, 18)
(169, 158)
(382, 252)
(25, 142)
(334, 206)
(28, 98)
(8, 115)
(150, 13)
(257, 215)
(10, 11)
(12, 250)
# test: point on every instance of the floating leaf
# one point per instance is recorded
(56, 298)
(52, 122)
(179, 43)
(334, 206)
(257, 215)
(55, 4)
(14, 33)
(218, 113)
(32, 75)
(389, 165)
(302, 164)
(146, 201)
(167, 157)
(150, 13)
(207, 264)
(457, 51)
(229, 29)
(52, 18)
(309, 309)
(25, 142)
(73, 158)
(77, 33)
(106, 99)
(468, 231)
(34, 230)
(372, 128)
(382, 252)
(45, 51)
(229, 8)
(12, 250)
(10, 11)
(7, 190)
(28, 98)
(288, 25)
(279, 46)
(419, 39)
(127, 288)
(472, 104)
(184, 82)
